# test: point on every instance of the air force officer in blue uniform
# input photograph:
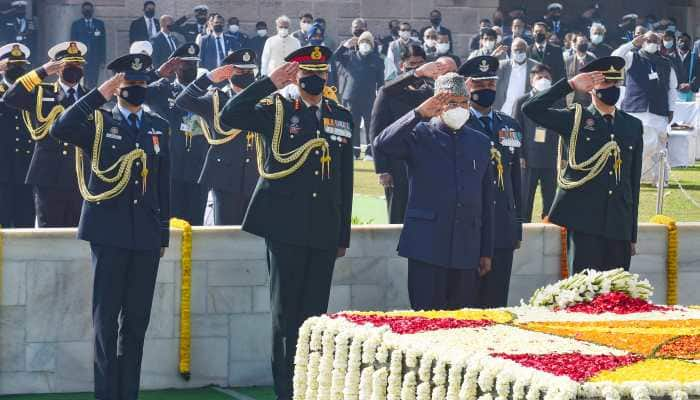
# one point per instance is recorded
(448, 231)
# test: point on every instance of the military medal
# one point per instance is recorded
(156, 143)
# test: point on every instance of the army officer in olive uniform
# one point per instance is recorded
(16, 146)
(598, 206)
(230, 170)
(302, 205)
(187, 144)
(506, 139)
(126, 222)
(52, 169)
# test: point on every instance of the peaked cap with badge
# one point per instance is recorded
(15, 53)
(612, 67)
(311, 58)
(480, 68)
(241, 58)
(69, 52)
(134, 66)
(186, 52)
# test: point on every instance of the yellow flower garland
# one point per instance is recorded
(671, 257)
(185, 295)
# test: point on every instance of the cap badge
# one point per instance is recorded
(136, 65)
(316, 54)
(73, 49)
(191, 50)
(484, 66)
(246, 56)
(16, 52)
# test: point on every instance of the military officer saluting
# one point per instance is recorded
(125, 216)
(16, 146)
(52, 169)
(506, 136)
(448, 233)
(302, 206)
(188, 145)
(230, 170)
(598, 196)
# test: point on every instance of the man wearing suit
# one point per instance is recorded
(190, 30)
(128, 230)
(52, 169)
(17, 28)
(539, 151)
(686, 66)
(146, 27)
(448, 233)
(164, 43)
(217, 45)
(579, 59)
(91, 31)
(505, 134)
(598, 207)
(553, 20)
(513, 79)
(547, 53)
(230, 170)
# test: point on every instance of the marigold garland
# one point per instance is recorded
(185, 295)
(671, 257)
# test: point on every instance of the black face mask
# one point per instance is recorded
(149, 13)
(609, 95)
(134, 95)
(12, 74)
(88, 13)
(685, 46)
(201, 19)
(358, 32)
(484, 97)
(312, 84)
(218, 28)
(540, 37)
(72, 75)
(187, 75)
(394, 31)
(555, 18)
(20, 12)
(582, 48)
(242, 81)
(497, 21)
(435, 21)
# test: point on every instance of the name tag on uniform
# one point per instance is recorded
(653, 76)
(19, 38)
(338, 128)
(98, 33)
(114, 136)
(156, 143)
(48, 99)
(184, 127)
(540, 134)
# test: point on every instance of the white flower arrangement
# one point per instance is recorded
(585, 285)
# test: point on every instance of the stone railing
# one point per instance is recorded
(45, 307)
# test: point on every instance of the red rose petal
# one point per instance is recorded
(408, 325)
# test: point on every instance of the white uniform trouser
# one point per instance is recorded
(655, 139)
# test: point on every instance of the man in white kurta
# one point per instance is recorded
(278, 47)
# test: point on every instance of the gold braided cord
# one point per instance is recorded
(228, 135)
(124, 165)
(496, 157)
(45, 123)
(594, 165)
(29, 80)
(297, 156)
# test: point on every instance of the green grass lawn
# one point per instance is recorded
(369, 205)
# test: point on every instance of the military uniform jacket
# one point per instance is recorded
(186, 153)
(229, 167)
(602, 206)
(537, 151)
(507, 200)
(304, 208)
(449, 217)
(135, 219)
(16, 146)
(53, 161)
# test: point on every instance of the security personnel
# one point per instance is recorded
(506, 137)
(448, 233)
(52, 169)
(302, 205)
(16, 27)
(230, 170)
(598, 196)
(125, 220)
(16, 148)
(188, 145)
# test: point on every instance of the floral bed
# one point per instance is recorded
(594, 335)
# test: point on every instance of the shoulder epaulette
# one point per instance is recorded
(30, 80)
(267, 101)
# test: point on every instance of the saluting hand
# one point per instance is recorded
(53, 67)
(638, 41)
(223, 73)
(586, 81)
(3, 65)
(484, 266)
(500, 50)
(111, 86)
(284, 74)
(168, 68)
(433, 106)
(432, 70)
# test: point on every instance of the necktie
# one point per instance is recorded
(486, 121)
(71, 96)
(171, 42)
(150, 27)
(134, 124)
(89, 24)
(609, 120)
(220, 49)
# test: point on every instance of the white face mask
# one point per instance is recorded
(455, 118)
(364, 48)
(542, 84)
(284, 32)
(404, 34)
(442, 48)
(597, 39)
(304, 26)
(519, 57)
(668, 44)
(651, 48)
(430, 43)
(262, 32)
(233, 28)
(489, 45)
